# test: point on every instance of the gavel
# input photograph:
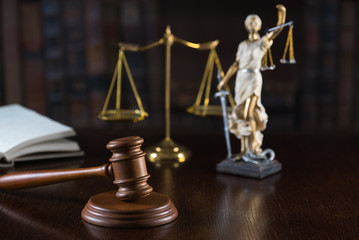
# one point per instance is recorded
(134, 204)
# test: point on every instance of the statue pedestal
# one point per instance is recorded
(247, 169)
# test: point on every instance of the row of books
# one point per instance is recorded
(330, 80)
(59, 56)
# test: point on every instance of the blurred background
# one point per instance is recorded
(58, 56)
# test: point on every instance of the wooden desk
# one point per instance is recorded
(316, 196)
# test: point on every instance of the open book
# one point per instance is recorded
(27, 135)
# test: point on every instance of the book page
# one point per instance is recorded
(20, 126)
(56, 145)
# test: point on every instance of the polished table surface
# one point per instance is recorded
(315, 196)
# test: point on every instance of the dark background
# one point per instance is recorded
(58, 57)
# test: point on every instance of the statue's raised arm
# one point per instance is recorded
(281, 20)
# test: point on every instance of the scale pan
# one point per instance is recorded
(209, 110)
(123, 115)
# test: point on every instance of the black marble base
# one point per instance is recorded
(246, 169)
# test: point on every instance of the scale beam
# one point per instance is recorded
(291, 23)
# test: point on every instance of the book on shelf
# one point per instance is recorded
(77, 87)
(328, 64)
(54, 69)
(28, 135)
(2, 84)
(346, 64)
(309, 92)
(11, 52)
(356, 77)
(95, 58)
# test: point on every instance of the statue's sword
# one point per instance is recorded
(222, 95)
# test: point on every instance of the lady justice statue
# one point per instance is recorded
(248, 119)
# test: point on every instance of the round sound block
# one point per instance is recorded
(106, 210)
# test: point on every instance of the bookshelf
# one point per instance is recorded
(58, 58)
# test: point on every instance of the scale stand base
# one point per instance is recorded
(106, 210)
(247, 169)
(167, 150)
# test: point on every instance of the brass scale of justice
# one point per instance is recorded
(167, 149)
(134, 204)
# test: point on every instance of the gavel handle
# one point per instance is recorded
(31, 179)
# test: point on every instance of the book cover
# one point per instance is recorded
(133, 31)
(328, 64)
(2, 84)
(77, 87)
(346, 65)
(111, 34)
(309, 84)
(11, 48)
(35, 92)
(95, 58)
(53, 52)
(356, 73)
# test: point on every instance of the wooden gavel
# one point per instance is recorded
(134, 196)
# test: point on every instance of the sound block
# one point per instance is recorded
(246, 169)
(106, 210)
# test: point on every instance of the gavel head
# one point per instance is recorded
(129, 168)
